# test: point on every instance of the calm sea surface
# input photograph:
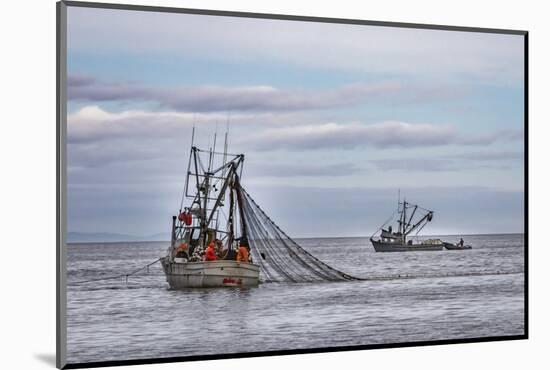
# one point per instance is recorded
(411, 296)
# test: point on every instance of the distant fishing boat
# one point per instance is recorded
(400, 240)
(217, 195)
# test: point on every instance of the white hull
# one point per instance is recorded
(210, 274)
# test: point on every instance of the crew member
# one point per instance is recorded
(210, 253)
(461, 242)
(242, 254)
(183, 248)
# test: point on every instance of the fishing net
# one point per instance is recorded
(280, 258)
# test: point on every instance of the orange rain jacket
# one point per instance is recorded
(210, 253)
(242, 254)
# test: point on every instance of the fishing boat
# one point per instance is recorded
(456, 247)
(401, 240)
(214, 218)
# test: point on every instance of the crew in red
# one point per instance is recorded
(210, 253)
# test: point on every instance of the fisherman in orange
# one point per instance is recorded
(210, 253)
(183, 247)
(242, 254)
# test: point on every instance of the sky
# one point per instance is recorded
(333, 119)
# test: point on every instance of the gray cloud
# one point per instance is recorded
(380, 135)
(490, 138)
(208, 98)
(416, 164)
(302, 170)
(92, 124)
(432, 165)
(79, 81)
(493, 155)
(332, 135)
(465, 161)
(90, 155)
(286, 131)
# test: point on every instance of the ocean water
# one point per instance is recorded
(410, 296)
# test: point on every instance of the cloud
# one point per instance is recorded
(489, 138)
(92, 154)
(349, 136)
(352, 135)
(210, 98)
(409, 165)
(493, 155)
(92, 123)
(416, 164)
(89, 89)
(79, 80)
(302, 170)
(495, 160)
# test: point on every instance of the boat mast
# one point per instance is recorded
(404, 219)
(208, 199)
(230, 223)
(240, 205)
(399, 211)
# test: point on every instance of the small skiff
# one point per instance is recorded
(456, 247)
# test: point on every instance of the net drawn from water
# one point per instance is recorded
(224, 239)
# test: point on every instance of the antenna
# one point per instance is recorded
(188, 166)
(213, 150)
(398, 197)
(227, 132)
(225, 143)
(215, 135)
